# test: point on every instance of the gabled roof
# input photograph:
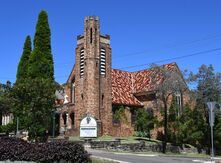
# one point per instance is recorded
(126, 84)
(144, 81)
(122, 87)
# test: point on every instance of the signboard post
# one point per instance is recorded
(211, 106)
(88, 127)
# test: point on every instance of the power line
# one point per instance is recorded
(175, 58)
(146, 64)
(170, 46)
(145, 51)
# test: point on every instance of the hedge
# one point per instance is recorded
(59, 151)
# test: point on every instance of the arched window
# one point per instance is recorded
(73, 91)
(64, 116)
(103, 61)
(133, 115)
(72, 119)
(91, 35)
(81, 62)
(150, 112)
(102, 100)
(179, 103)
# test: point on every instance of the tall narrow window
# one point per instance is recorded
(91, 35)
(73, 91)
(179, 103)
(102, 100)
(103, 61)
(133, 115)
(81, 63)
(72, 120)
(64, 116)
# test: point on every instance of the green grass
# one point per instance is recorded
(186, 155)
(124, 140)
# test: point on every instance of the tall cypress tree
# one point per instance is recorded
(41, 60)
(22, 71)
(41, 85)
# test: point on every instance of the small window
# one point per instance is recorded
(91, 35)
(82, 96)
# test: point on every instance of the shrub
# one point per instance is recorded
(141, 134)
(10, 127)
(60, 151)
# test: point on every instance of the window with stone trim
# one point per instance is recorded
(73, 91)
(114, 110)
(133, 115)
(81, 63)
(91, 35)
(103, 61)
(179, 103)
(64, 117)
(72, 119)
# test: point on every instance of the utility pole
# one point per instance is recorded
(53, 132)
(211, 107)
(17, 127)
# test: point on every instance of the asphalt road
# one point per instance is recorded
(142, 158)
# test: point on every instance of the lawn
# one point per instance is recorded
(124, 140)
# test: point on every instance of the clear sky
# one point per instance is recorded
(142, 32)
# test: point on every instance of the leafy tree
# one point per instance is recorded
(208, 89)
(41, 75)
(5, 107)
(193, 127)
(144, 122)
(170, 83)
(173, 122)
(19, 92)
(33, 97)
(185, 121)
(22, 71)
(120, 116)
(217, 131)
(5, 101)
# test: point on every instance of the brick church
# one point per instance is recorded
(94, 88)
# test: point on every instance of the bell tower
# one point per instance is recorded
(90, 76)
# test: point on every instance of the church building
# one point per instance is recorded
(94, 90)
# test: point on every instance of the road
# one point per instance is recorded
(143, 158)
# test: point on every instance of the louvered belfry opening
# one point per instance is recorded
(82, 63)
(103, 62)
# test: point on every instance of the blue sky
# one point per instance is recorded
(142, 32)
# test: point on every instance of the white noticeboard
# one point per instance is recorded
(88, 127)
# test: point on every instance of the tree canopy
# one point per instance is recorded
(22, 71)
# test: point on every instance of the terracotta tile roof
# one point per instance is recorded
(122, 88)
(144, 79)
(125, 84)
